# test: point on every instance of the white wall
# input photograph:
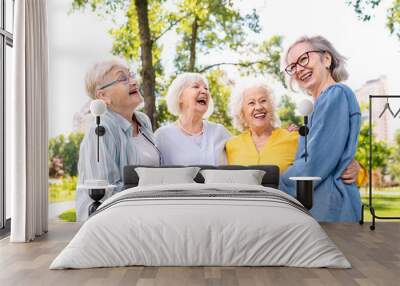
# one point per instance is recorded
(76, 40)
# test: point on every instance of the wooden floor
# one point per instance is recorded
(374, 255)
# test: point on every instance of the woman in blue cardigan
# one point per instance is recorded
(318, 69)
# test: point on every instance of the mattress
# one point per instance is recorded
(201, 225)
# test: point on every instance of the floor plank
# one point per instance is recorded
(374, 255)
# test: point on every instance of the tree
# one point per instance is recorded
(380, 150)
(220, 88)
(287, 112)
(364, 8)
(136, 38)
(394, 166)
(64, 154)
(203, 26)
(393, 18)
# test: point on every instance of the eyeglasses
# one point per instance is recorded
(122, 78)
(302, 61)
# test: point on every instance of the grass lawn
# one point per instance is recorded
(63, 191)
(386, 202)
(68, 215)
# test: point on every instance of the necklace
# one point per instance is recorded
(187, 131)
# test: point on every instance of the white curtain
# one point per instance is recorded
(27, 121)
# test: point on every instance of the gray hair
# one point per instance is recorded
(176, 88)
(236, 104)
(97, 74)
(338, 63)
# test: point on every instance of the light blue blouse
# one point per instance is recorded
(178, 148)
(115, 152)
(332, 142)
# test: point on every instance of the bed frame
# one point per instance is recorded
(270, 179)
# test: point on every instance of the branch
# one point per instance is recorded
(243, 64)
(173, 24)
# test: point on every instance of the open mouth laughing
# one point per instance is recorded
(259, 115)
(133, 92)
(202, 100)
(305, 77)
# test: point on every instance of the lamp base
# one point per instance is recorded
(96, 195)
(304, 190)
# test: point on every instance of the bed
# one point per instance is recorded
(201, 224)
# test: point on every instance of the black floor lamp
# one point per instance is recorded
(97, 187)
(304, 185)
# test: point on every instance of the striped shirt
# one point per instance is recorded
(116, 150)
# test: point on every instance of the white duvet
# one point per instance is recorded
(183, 231)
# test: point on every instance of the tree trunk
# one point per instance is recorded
(146, 55)
(193, 42)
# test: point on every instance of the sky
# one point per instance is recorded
(79, 39)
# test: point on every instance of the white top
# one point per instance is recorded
(146, 152)
(179, 148)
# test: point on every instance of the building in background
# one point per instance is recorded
(382, 128)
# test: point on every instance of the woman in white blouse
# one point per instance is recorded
(191, 140)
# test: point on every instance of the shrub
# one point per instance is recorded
(64, 154)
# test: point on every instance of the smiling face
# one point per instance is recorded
(312, 75)
(123, 94)
(194, 98)
(257, 109)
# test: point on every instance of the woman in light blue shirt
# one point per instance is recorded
(191, 140)
(128, 139)
(317, 68)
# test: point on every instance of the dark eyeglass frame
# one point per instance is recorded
(291, 69)
(125, 79)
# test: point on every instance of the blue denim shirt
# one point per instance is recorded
(115, 149)
(332, 143)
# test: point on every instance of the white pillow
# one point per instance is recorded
(166, 176)
(248, 177)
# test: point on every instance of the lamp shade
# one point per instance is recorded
(305, 107)
(98, 107)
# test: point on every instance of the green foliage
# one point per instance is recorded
(163, 116)
(380, 150)
(127, 36)
(63, 191)
(364, 8)
(287, 112)
(202, 26)
(210, 25)
(68, 215)
(394, 166)
(264, 59)
(393, 18)
(65, 149)
(220, 91)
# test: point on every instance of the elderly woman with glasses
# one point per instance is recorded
(191, 140)
(318, 69)
(128, 137)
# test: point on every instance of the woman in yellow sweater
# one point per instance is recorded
(263, 141)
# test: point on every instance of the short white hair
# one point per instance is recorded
(236, 103)
(176, 88)
(97, 73)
